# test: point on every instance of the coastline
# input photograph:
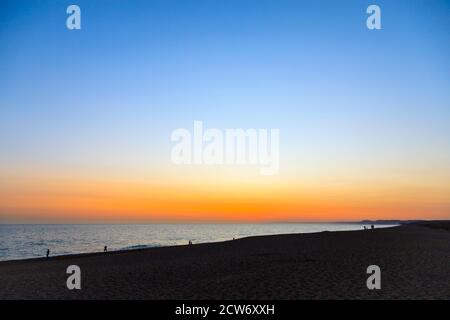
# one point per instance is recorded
(87, 254)
(413, 259)
(31, 241)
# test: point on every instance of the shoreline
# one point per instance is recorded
(82, 254)
(413, 260)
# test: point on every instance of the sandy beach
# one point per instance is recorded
(414, 262)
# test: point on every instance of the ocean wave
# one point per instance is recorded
(140, 246)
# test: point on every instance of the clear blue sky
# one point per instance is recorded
(110, 93)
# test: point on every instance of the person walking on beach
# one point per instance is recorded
(105, 249)
(48, 252)
(372, 227)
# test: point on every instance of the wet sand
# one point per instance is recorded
(414, 262)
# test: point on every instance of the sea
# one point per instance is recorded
(23, 241)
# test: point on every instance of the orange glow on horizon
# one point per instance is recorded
(91, 200)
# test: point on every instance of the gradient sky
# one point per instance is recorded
(86, 115)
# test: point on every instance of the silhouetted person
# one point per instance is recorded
(48, 252)
(105, 249)
(190, 242)
(365, 228)
(372, 227)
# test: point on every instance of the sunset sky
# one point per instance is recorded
(86, 115)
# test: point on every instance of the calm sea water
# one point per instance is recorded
(30, 241)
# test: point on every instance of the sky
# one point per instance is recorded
(86, 115)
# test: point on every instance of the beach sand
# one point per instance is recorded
(414, 262)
